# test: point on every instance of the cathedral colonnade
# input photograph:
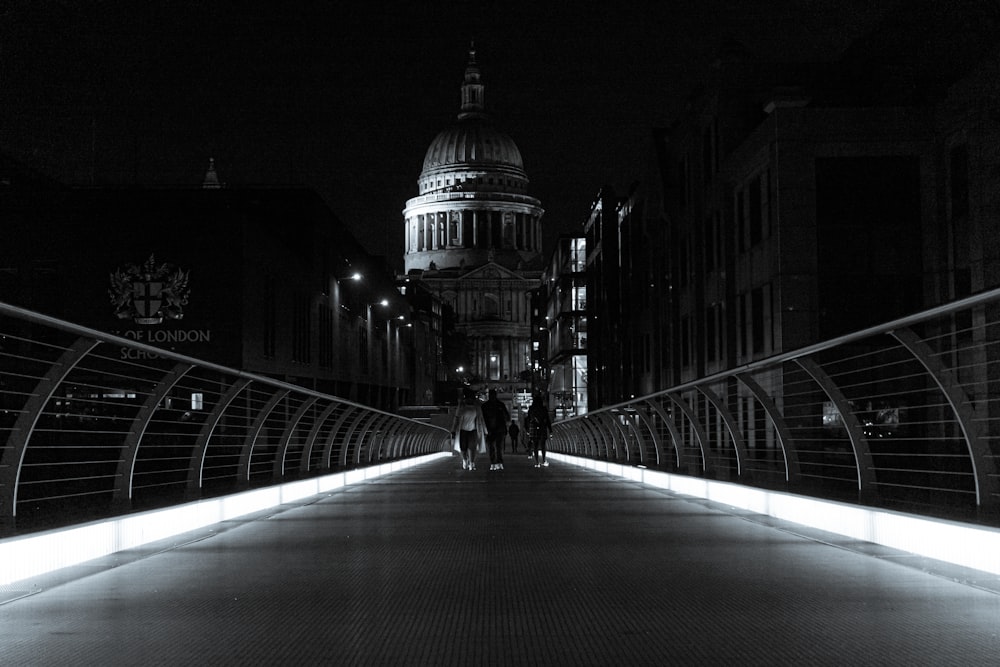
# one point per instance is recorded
(484, 228)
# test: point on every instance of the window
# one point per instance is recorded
(326, 337)
(958, 174)
(711, 242)
(363, 348)
(301, 329)
(684, 261)
(712, 332)
(682, 184)
(508, 230)
(755, 212)
(707, 155)
(757, 319)
(685, 342)
(491, 307)
(742, 332)
(740, 223)
(269, 312)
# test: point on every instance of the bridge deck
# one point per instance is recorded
(550, 566)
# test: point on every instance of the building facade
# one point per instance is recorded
(473, 238)
(564, 287)
(260, 279)
(797, 214)
(800, 203)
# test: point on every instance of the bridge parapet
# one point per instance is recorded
(93, 425)
(905, 415)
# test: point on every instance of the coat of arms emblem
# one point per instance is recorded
(149, 293)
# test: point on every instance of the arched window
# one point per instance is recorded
(491, 307)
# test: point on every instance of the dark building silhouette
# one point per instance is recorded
(259, 279)
(794, 203)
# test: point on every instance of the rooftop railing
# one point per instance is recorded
(904, 416)
(94, 425)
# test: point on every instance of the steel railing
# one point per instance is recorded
(93, 425)
(901, 416)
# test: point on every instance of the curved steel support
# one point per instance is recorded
(983, 464)
(390, 440)
(360, 425)
(17, 444)
(859, 443)
(408, 441)
(374, 439)
(653, 435)
(581, 430)
(623, 432)
(130, 448)
(605, 435)
(352, 413)
(675, 436)
(314, 434)
(784, 435)
(196, 468)
(286, 437)
(707, 464)
(588, 431)
(246, 453)
(735, 437)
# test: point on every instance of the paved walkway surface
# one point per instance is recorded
(548, 566)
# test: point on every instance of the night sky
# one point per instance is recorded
(346, 97)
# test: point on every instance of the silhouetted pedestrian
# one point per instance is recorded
(514, 430)
(496, 416)
(470, 427)
(539, 429)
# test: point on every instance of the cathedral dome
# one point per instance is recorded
(472, 147)
(473, 206)
(472, 142)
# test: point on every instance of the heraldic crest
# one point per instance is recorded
(149, 293)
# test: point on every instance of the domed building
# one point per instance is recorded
(474, 237)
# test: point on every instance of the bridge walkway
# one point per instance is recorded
(529, 566)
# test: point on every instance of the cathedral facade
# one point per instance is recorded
(473, 237)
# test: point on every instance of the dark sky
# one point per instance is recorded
(345, 97)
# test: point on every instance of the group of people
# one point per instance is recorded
(486, 426)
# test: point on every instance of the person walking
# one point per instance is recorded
(514, 431)
(496, 416)
(539, 429)
(470, 426)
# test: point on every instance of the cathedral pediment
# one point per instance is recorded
(492, 271)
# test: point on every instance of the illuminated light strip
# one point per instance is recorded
(32, 555)
(975, 547)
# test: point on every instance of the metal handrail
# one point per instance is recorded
(86, 434)
(904, 415)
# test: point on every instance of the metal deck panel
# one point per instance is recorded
(550, 566)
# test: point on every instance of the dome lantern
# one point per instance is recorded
(473, 102)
